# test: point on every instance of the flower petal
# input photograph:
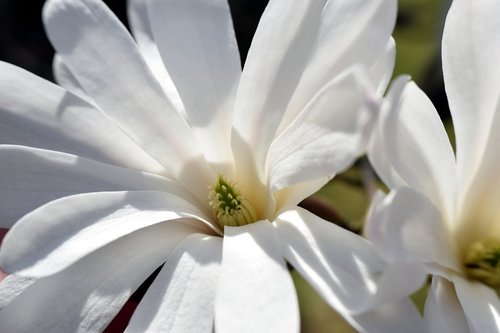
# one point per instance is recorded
(350, 32)
(104, 58)
(197, 44)
(181, 299)
(60, 233)
(37, 176)
(327, 136)
(400, 316)
(35, 112)
(66, 79)
(343, 267)
(406, 226)
(141, 29)
(86, 296)
(11, 286)
(480, 303)
(418, 148)
(471, 50)
(275, 62)
(381, 70)
(443, 311)
(256, 292)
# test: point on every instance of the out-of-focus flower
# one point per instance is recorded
(444, 212)
(165, 152)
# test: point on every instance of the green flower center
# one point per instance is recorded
(230, 207)
(482, 261)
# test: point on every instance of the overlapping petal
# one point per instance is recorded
(11, 286)
(256, 292)
(62, 232)
(95, 288)
(182, 296)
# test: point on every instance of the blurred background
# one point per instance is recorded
(345, 200)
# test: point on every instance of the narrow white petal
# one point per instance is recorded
(198, 47)
(11, 286)
(418, 147)
(480, 304)
(376, 150)
(395, 317)
(86, 296)
(407, 226)
(35, 112)
(141, 29)
(181, 299)
(350, 32)
(35, 176)
(66, 79)
(256, 292)
(104, 58)
(275, 62)
(343, 267)
(327, 136)
(60, 233)
(443, 311)
(471, 49)
(381, 70)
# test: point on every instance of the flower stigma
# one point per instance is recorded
(230, 207)
(482, 261)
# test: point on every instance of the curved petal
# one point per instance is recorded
(400, 316)
(327, 136)
(480, 304)
(406, 226)
(35, 112)
(275, 62)
(141, 29)
(418, 148)
(443, 311)
(11, 286)
(104, 58)
(66, 79)
(381, 70)
(256, 292)
(60, 233)
(343, 267)
(181, 299)
(376, 151)
(33, 177)
(471, 50)
(86, 296)
(198, 47)
(351, 32)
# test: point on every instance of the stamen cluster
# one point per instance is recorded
(482, 261)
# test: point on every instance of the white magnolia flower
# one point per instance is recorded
(444, 212)
(130, 171)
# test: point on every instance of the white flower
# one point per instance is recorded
(131, 171)
(441, 212)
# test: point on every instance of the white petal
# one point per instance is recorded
(407, 226)
(66, 79)
(141, 29)
(395, 317)
(327, 136)
(350, 32)
(11, 287)
(471, 50)
(381, 70)
(418, 147)
(443, 311)
(86, 296)
(275, 61)
(33, 177)
(104, 58)
(60, 233)
(197, 43)
(35, 112)
(181, 299)
(256, 292)
(376, 149)
(480, 303)
(343, 267)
